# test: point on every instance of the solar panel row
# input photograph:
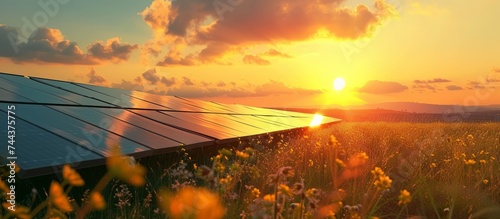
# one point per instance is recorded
(61, 122)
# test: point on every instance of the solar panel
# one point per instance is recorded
(42, 88)
(208, 129)
(208, 106)
(31, 94)
(92, 137)
(37, 148)
(215, 120)
(122, 97)
(129, 125)
(70, 87)
(65, 122)
(8, 96)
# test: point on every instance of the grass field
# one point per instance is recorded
(348, 170)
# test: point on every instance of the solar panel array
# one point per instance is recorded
(58, 122)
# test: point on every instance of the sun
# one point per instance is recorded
(338, 84)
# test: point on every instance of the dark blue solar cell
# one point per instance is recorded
(32, 94)
(24, 83)
(37, 148)
(118, 125)
(94, 138)
(6, 95)
(219, 121)
(169, 102)
(185, 137)
(113, 96)
(205, 128)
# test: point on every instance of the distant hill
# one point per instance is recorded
(409, 112)
(422, 107)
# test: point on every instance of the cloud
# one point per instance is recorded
(94, 78)
(454, 87)
(174, 58)
(221, 84)
(8, 41)
(130, 85)
(492, 80)
(252, 59)
(424, 87)
(48, 45)
(221, 27)
(271, 88)
(435, 80)
(273, 52)
(476, 85)
(496, 69)
(151, 76)
(382, 87)
(113, 50)
(187, 81)
(168, 81)
(276, 88)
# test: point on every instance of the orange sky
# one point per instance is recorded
(283, 53)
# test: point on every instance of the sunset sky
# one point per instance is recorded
(283, 53)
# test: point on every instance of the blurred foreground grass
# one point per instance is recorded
(348, 170)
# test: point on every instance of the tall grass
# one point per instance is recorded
(348, 170)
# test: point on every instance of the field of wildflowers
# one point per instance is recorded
(348, 170)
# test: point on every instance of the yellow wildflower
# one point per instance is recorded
(269, 198)
(340, 162)
(70, 175)
(433, 165)
(377, 172)
(20, 211)
(404, 197)
(4, 187)
(196, 203)
(355, 216)
(122, 167)
(58, 198)
(242, 155)
(482, 161)
(255, 192)
(285, 190)
(97, 201)
(383, 182)
(357, 160)
(485, 181)
(470, 137)
(470, 162)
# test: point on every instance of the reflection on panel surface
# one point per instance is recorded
(123, 98)
(65, 122)
(207, 129)
(25, 83)
(6, 95)
(85, 134)
(119, 127)
(38, 148)
(32, 94)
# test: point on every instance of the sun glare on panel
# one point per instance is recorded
(338, 84)
(316, 120)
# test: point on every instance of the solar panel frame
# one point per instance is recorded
(74, 98)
